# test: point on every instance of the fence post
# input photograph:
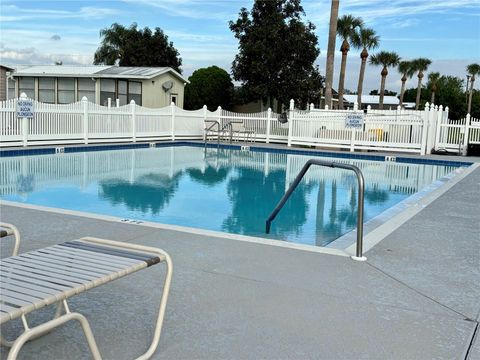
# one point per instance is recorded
(426, 114)
(25, 129)
(290, 122)
(269, 120)
(109, 116)
(438, 126)
(134, 121)
(219, 110)
(85, 119)
(204, 122)
(465, 135)
(431, 128)
(352, 140)
(172, 106)
(312, 107)
(355, 106)
(326, 107)
(117, 103)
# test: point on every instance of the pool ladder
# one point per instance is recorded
(361, 190)
(220, 130)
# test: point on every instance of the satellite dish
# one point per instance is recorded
(167, 85)
(283, 118)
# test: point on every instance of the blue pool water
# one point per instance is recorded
(216, 189)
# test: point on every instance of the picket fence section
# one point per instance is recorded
(385, 130)
(456, 135)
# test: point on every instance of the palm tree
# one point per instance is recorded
(331, 52)
(346, 28)
(473, 70)
(368, 40)
(432, 81)
(385, 59)
(420, 65)
(406, 69)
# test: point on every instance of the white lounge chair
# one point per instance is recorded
(8, 230)
(51, 275)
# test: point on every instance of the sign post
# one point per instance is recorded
(354, 121)
(25, 111)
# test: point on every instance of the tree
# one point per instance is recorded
(332, 35)
(432, 84)
(346, 27)
(473, 70)
(450, 92)
(420, 65)
(385, 59)
(406, 69)
(368, 40)
(210, 86)
(276, 51)
(386, 92)
(136, 47)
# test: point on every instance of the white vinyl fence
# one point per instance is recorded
(386, 130)
(455, 135)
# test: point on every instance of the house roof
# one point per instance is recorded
(6, 67)
(97, 71)
(375, 99)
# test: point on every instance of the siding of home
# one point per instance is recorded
(154, 96)
(3, 83)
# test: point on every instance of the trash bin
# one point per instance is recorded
(473, 150)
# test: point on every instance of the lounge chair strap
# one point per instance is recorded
(149, 259)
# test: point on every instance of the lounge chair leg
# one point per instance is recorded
(50, 325)
(5, 342)
(161, 311)
(58, 312)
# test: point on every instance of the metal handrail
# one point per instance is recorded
(230, 126)
(361, 189)
(206, 130)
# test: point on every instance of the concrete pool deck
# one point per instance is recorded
(416, 297)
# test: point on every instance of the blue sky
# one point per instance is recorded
(40, 32)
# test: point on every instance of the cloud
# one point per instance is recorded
(406, 23)
(375, 11)
(188, 8)
(30, 55)
(207, 38)
(55, 37)
(14, 13)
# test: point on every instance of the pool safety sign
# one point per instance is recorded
(25, 108)
(354, 121)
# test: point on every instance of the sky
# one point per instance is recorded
(42, 32)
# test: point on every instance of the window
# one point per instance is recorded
(46, 90)
(135, 92)
(122, 91)
(86, 87)
(27, 85)
(173, 98)
(107, 90)
(66, 90)
(11, 89)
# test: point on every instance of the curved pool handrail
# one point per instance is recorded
(361, 190)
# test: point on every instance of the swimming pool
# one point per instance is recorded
(220, 189)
